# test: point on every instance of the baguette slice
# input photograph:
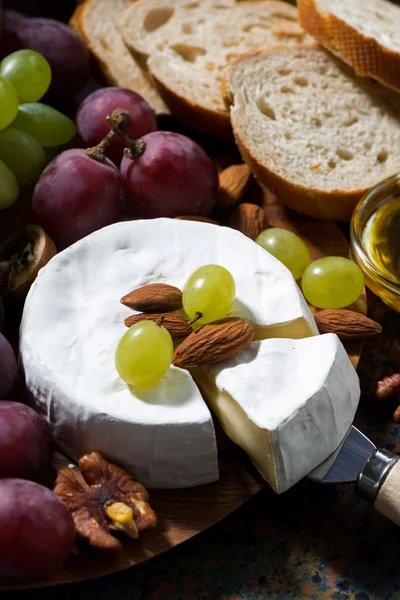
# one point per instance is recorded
(363, 33)
(186, 45)
(311, 131)
(95, 22)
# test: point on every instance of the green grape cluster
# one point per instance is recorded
(330, 282)
(29, 130)
(144, 353)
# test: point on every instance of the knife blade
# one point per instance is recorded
(375, 472)
(344, 465)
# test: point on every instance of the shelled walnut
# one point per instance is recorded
(103, 498)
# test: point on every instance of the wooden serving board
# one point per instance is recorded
(183, 514)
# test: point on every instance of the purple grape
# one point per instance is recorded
(173, 177)
(2, 18)
(67, 55)
(91, 118)
(8, 367)
(37, 530)
(24, 441)
(77, 195)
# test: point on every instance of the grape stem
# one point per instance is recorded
(160, 320)
(196, 317)
(118, 121)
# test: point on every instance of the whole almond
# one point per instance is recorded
(155, 297)
(213, 342)
(177, 326)
(234, 182)
(197, 218)
(249, 219)
(347, 324)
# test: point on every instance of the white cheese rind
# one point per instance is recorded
(73, 321)
(288, 403)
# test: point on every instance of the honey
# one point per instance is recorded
(375, 240)
(381, 239)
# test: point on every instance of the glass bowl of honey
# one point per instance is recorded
(375, 240)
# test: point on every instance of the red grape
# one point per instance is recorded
(173, 177)
(37, 530)
(77, 195)
(67, 55)
(93, 127)
(1, 18)
(24, 441)
(12, 16)
(8, 367)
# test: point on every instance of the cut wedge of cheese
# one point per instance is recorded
(287, 403)
(73, 321)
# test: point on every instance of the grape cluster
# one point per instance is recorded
(65, 52)
(144, 353)
(27, 127)
(37, 530)
(329, 282)
(164, 174)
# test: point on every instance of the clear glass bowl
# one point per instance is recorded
(385, 286)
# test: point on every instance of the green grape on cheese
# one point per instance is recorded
(8, 103)
(9, 190)
(144, 354)
(210, 291)
(287, 247)
(29, 73)
(46, 124)
(22, 154)
(332, 282)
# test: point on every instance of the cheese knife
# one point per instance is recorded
(374, 472)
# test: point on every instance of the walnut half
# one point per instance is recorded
(103, 498)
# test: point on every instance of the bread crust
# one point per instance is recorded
(335, 205)
(365, 54)
(77, 23)
(210, 122)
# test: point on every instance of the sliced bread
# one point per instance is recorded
(312, 132)
(95, 22)
(363, 33)
(186, 45)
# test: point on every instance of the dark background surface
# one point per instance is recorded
(313, 542)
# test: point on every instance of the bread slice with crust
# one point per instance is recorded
(363, 33)
(186, 45)
(95, 21)
(312, 131)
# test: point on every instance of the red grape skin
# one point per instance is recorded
(173, 177)
(37, 530)
(67, 55)
(25, 441)
(8, 367)
(77, 195)
(91, 118)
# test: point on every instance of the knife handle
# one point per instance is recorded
(379, 484)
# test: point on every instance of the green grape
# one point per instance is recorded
(29, 72)
(287, 247)
(22, 154)
(210, 291)
(8, 103)
(9, 190)
(144, 354)
(48, 126)
(332, 282)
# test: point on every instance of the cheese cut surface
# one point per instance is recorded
(73, 321)
(287, 403)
